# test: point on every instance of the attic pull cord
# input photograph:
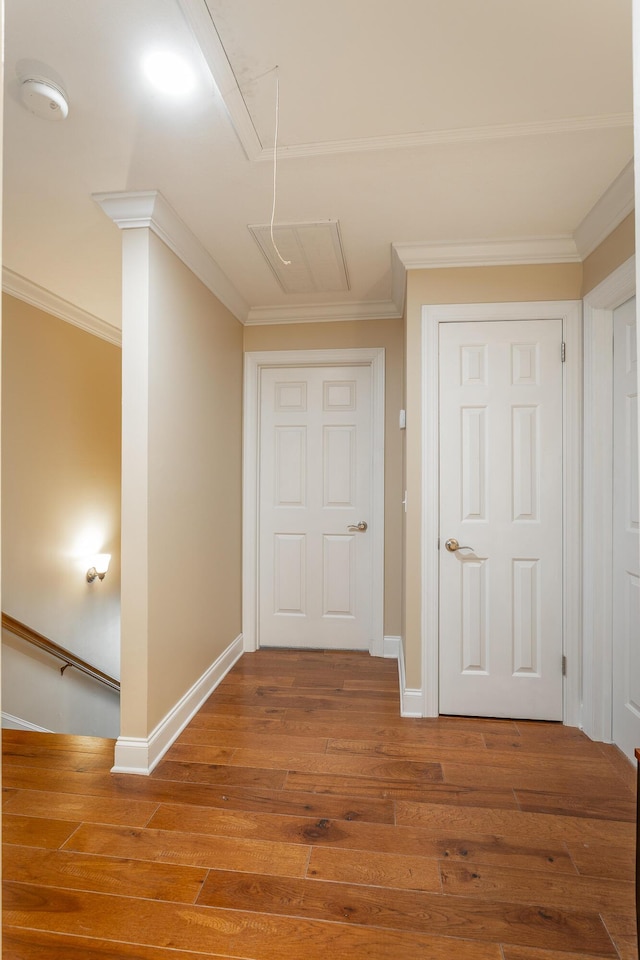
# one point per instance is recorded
(275, 171)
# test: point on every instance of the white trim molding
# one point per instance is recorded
(200, 17)
(23, 289)
(9, 722)
(599, 305)
(412, 700)
(616, 203)
(486, 253)
(391, 647)
(570, 312)
(254, 364)
(325, 313)
(148, 208)
(141, 754)
(430, 138)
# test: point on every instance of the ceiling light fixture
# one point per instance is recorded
(169, 73)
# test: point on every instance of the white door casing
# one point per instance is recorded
(500, 623)
(314, 570)
(569, 312)
(599, 306)
(257, 365)
(626, 534)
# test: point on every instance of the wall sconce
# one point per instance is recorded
(100, 566)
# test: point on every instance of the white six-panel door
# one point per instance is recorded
(314, 572)
(500, 398)
(626, 539)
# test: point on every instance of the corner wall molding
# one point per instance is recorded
(141, 754)
(23, 289)
(148, 208)
(608, 212)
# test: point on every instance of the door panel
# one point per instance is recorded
(314, 578)
(626, 539)
(501, 499)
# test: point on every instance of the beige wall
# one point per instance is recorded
(61, 502)
(182, 427)
(367, 333)
(454, 285)
(609, 255)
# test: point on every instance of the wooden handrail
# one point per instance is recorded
(70, 659)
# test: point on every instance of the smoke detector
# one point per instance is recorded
(44, 98)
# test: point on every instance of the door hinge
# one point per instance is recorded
(564, 666)
(563, 352)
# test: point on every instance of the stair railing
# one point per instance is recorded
(70, 659)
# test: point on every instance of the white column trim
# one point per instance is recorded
(254, 363)
(148, 208)
(599, 305)
(570, 312)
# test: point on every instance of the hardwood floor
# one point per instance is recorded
(298, 817)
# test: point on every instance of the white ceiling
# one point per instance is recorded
(419, 121)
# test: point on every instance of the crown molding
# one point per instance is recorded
(23, 289)
(484, 253)
(607, 213)
(324, 313)
(148, 208)
(200, 19)
(429, 138)
(421, 256)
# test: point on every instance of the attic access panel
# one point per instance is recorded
(315, 251)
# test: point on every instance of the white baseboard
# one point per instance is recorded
(376, 648)
(141, 754)
(411, 699)
(9, 722)
(412, 702)
(391, 648)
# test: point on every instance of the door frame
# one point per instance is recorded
(570, 313)
(254, 363)
(599, 306)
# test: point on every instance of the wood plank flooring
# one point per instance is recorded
(298, 817)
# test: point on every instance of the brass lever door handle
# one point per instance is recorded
(452, 545)
(362, 526)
